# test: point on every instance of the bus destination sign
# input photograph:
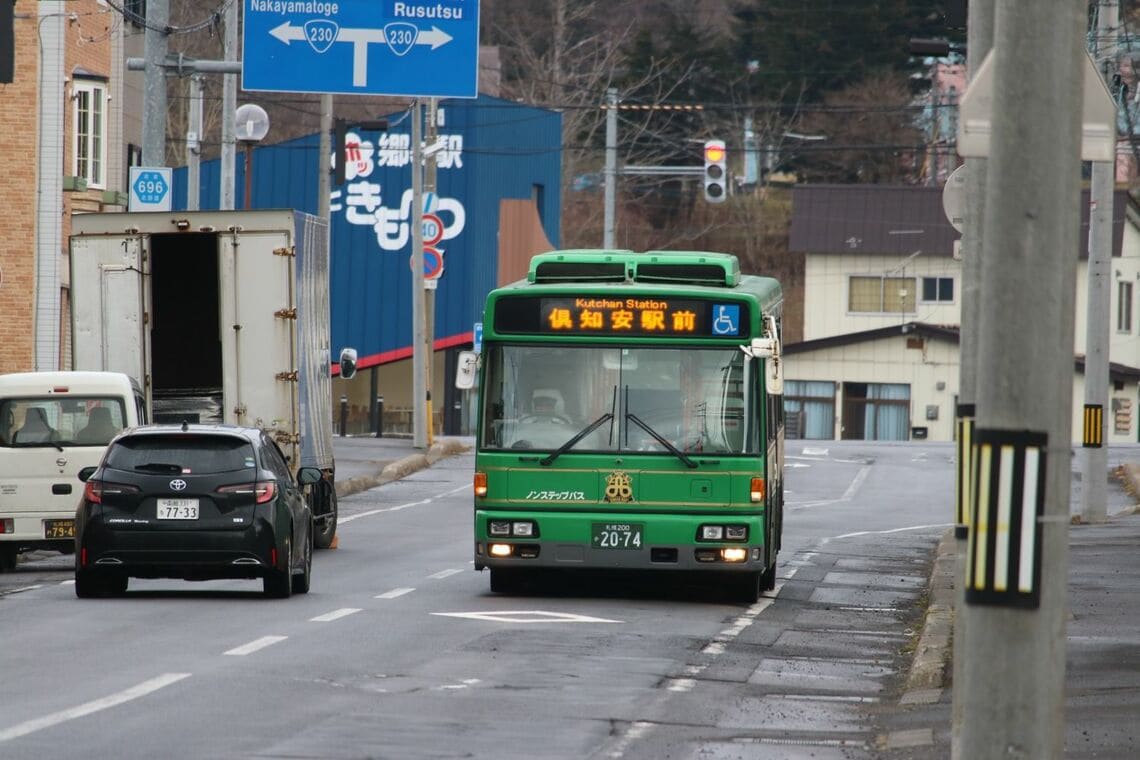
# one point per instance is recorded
(642, 316)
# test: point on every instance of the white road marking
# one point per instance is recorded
(636, 730)
(893, 530)
(681, 684)
(847, 495)
(394, 593)
(22, 588)
(444, 573)
(408, 505)
(255, 645)
(465, 684)
(87, 708)
(328, 617)
(526, 616)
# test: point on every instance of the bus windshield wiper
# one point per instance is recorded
(662, 440)
(549, 458)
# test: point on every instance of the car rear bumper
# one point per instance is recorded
(248, 553)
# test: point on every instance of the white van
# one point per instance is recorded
(52, 424)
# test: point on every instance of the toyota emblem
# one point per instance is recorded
(178, 484)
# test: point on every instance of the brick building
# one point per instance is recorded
(61, 149)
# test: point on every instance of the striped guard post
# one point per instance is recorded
(964, 437)
(1003, 563)
(1094, 426)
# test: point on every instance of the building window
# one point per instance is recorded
(809, 409)
(1124, 307)
(881, 294)
(938, 289)
(90, 129)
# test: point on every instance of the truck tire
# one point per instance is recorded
(326, 518)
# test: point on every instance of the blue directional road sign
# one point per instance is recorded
(415, 48)
(149, 189)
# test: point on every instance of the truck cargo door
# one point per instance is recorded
(108, 305)
(258, 318)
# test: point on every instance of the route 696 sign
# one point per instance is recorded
(150, 188)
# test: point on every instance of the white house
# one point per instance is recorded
(882, 305)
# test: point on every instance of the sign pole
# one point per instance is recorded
(429, 294)
(420, 398)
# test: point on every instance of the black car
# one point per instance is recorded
(195, 502)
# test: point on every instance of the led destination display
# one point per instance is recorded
(612, 316)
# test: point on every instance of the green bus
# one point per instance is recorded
(630, 418)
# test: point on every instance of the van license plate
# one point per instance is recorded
(177, 509)
(59, 528)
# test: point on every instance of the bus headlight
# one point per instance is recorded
(500, 550)
(712, 532)
(735, 554)
(499, 528)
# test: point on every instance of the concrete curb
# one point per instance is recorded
(928, 668)
(401, 468)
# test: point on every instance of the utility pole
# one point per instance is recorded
(420, 391)
(193, 144)
(229, 106)
(1017, 562)
(1094, 478)
(154, 83)
(979, 41)
(324, 149)
(611, 167)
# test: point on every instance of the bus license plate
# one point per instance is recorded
(59, 528)
(617, 535)
(177, 509)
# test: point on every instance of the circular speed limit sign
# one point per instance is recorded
(433, 229)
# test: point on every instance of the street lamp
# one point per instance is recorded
(251, 124)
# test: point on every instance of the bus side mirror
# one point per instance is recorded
(466, 370)
(768, 349)
(347, 363)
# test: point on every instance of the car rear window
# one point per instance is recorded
(182, 453)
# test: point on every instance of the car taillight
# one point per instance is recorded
(95, 490)
(264, 491)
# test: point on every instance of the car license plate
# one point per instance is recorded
(617, 535)
(177, 509)
(59, 528)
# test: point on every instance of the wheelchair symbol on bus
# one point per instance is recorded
(726, 319)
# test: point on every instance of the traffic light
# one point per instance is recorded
(716, 171)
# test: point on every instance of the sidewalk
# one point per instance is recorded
(364, 462)
(1102, 682)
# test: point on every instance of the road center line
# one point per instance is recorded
(394, 593)
(328, 617)
(87, 708)
(21, 588)
(444, 573)
(399, 507)
(255, 645)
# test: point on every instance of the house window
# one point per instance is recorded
(1124, 307)
(90, 129)
(938, 289)
(881, 294)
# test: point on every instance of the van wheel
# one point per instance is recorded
(8, 555)
(326, 528)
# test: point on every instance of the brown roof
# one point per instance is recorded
(894, 219)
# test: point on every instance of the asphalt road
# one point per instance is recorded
(400, 650)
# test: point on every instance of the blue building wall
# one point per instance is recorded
(495, 150)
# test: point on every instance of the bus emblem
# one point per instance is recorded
(619, 487)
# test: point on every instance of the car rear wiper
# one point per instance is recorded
(662, 440)
(160, 467)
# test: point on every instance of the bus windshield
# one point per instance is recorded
(698, 400)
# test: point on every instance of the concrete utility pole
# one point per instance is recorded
(154, 83)
(420, 391)
(324, 183)
(193, 144)
(1094, 475)
(1013, 679)
(611, 168)
(229, 106)
(979, 41)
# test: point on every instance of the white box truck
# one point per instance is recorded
(221, 316)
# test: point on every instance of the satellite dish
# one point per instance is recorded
(251, 123)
